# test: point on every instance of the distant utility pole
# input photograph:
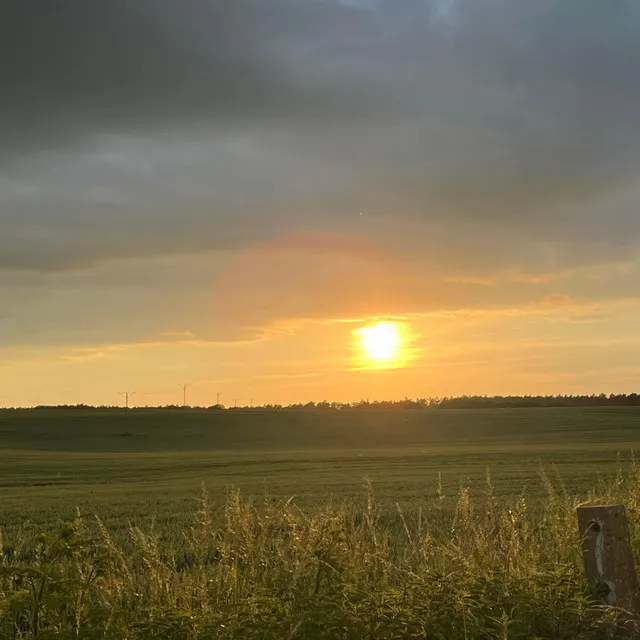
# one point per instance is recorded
(235, 403)
(251, 403)
(218, 399)
(185, 386)
(127, 395)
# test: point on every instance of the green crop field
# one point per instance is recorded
(149, 464)
(359, 524)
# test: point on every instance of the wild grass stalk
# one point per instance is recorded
(447, 567)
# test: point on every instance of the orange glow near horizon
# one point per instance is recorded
(382, 345)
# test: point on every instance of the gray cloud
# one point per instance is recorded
(134, 128)
(78, 67)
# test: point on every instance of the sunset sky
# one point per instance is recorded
(223, 192)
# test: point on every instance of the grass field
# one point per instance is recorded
(346, 525)
(152, 464)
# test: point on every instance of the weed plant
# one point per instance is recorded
(452, 567)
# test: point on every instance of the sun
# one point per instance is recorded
(380, 341)
(381, 345)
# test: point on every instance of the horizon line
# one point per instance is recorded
(421, 402)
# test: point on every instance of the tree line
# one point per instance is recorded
(435, 403)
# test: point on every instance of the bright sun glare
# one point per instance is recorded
(382, 345)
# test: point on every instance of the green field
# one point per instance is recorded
(336, 525)
(152, 464)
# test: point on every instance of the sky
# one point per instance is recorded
(223, 193)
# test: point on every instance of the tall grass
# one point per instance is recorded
(449, 567)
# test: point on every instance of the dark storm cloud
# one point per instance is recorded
(516, 68)
(517, 115)
(75, 67)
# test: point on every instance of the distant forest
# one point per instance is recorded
(460, 402)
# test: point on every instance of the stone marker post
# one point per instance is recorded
(608, 559)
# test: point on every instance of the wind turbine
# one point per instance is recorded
(185, 386)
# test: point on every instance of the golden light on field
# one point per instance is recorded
(382, 345)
